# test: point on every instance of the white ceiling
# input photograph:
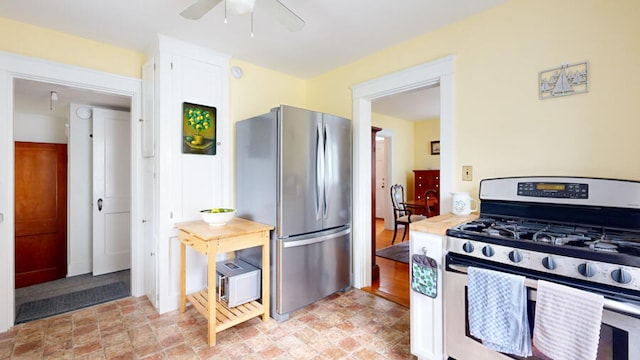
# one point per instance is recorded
(337, 32)
(415, 105)
(33, 97)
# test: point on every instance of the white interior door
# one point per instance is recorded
(111, 191)
(381, 179)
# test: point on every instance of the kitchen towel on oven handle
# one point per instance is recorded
(424, 275)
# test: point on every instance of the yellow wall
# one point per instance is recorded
(28, 40)
(424, 133)
(261, 89)
(500, 126)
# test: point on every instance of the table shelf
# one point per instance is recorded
(226, 317)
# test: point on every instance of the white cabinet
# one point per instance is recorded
(426, 312)
(180, 184)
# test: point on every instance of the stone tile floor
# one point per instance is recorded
(350, 325)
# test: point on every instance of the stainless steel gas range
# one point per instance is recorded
(580, 232)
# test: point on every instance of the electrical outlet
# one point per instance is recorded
(467, 173)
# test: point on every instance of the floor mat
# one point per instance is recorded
(397, 252)
(39, 309)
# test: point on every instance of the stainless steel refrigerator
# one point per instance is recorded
(293, 171)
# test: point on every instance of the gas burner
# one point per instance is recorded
(509, 231)
(472, 227)
(543, 237)
(603, 246)
(494, 231)
(477, 225)
(572, 239)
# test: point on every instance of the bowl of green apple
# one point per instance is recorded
(217, 216)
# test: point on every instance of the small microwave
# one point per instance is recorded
(238, 282)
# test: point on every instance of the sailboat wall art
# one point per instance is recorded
(568, 79)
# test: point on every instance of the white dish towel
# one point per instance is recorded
(498, 311)
(567, 325)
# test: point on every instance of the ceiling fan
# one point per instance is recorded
(284, 16)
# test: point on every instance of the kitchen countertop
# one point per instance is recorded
(439, 224)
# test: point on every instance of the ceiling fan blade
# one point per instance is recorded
(198, 9)
(284, 16)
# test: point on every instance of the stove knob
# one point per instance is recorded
(549, 263)
(587, 269)
(621, 276)
(467, 247)
(515, 256)
(488, 251)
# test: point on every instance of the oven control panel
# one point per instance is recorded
(558, 190)
(587, 270)
(555, 190)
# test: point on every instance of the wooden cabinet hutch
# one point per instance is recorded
(427, 180)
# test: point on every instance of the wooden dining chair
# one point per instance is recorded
(431, 201)
(402, 212)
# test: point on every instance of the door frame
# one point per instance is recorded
(439, 71)
(14, 66)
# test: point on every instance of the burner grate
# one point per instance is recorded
(588, 238)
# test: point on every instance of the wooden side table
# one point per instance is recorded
(209, 240)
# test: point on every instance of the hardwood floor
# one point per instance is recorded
(394, 276)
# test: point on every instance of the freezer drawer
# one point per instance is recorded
(309, 269)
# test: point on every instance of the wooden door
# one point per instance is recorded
(375, 269)
(41, 213)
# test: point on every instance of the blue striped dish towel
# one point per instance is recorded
(498, 311)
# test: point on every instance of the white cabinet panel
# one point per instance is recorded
(184, 183)
(426, 312)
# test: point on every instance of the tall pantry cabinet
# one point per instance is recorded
(178, 185)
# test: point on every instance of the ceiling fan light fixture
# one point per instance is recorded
(240, 7)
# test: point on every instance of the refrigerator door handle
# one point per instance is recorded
(292, 244)
(319, 172)
(328, 167)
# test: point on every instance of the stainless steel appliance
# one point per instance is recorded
(293, 171)
(580, 232)
(238, 282)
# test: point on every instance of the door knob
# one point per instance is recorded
(99, 204)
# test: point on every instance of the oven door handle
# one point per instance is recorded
(609, 304)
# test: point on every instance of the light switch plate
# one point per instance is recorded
(467, 173)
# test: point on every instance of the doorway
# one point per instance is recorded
(435, 72)
(20, 67)
(413, 118)
(77, 130)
